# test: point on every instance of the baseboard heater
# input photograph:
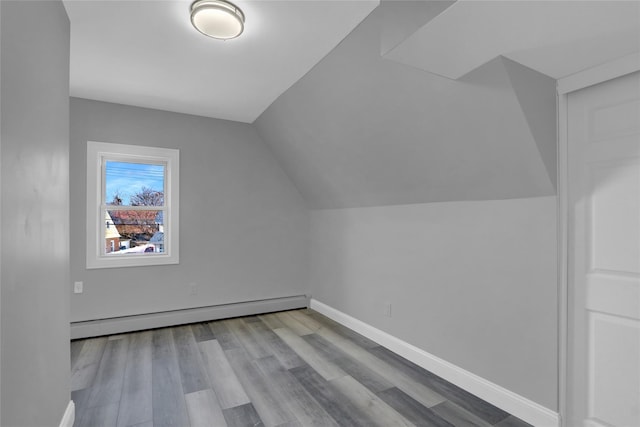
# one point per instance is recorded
(139, 322)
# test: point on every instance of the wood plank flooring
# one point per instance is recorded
(295, 368)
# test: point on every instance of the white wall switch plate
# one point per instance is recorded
(77, 287)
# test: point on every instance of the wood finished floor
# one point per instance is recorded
(294, 368)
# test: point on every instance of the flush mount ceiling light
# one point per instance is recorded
(217, 18)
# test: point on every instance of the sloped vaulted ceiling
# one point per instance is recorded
(556, 37)
(361, 130)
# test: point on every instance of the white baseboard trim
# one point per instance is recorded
(118, 325)
(69, 416)
(508, 401)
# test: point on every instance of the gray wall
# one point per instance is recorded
(0, 216)
(473, 283)
(35, 213)
(243, 225)
(360, 130)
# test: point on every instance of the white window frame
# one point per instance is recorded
(97, 154)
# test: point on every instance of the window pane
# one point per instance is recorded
(136, 192)
(134, 184)
(134, 232)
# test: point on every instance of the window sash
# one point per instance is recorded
(165, 220)
(127, 159)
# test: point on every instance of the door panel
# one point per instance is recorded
(604, 254)
(614, 374)
(614, 121)
(615, 229)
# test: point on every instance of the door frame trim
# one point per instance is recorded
(564, 86)
(598, 74)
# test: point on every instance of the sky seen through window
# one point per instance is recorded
(126, 179)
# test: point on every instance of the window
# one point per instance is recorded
(132, 205)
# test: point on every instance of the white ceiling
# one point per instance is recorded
(146, 53)
(449, 118)
(556, 38)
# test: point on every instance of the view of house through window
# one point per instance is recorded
(134, 213)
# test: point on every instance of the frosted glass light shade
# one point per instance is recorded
(217, 18)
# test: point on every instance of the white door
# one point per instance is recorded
(604, 254)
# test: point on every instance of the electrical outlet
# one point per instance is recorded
(193, 288)
(387, 309)
(77, 287)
